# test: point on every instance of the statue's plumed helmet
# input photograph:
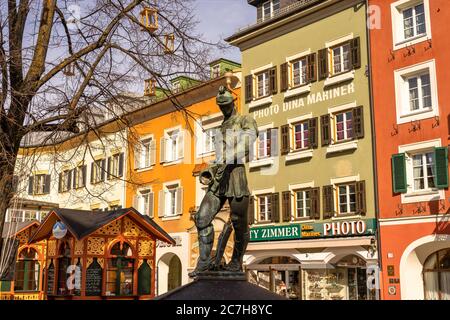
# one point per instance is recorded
(224, 97)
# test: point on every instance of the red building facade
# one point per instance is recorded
(410, 54)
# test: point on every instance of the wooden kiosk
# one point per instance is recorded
(97, 255)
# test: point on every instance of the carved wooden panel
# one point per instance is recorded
(79, 247)
(133, 242)
(145, 248)
(96, 246)
(111, 229)
(101, 262)
(52, 248)
(89, 261)
(22, 237)
(131, 229)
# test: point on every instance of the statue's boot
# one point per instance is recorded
(240, 245)
(206, 241)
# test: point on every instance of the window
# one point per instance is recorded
(302, 203)
(215, 71)
(410, 22)
(145, 154)
(423, 171)
(414, 21)
(115, 166)
(416, 93)
(39, 184)
(64, 261)
(149, 87)
(270, 8)
(419, 88)
(341, 58)
(65, 181)
(264, 208)
(264, 144)
(346, 198)
(145, 202)
(344, 126)
(120, 271)
(262, 84)
(170, 200)
(209, 140)
(98, 171)
(172, 146)
(27, 271)
(80, 176)
(176, 86)
(436, 275)
(420, 172)
(301, 135)
(299, 72)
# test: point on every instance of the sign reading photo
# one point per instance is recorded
(313, 230)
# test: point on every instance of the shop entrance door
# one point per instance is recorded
(357, 283)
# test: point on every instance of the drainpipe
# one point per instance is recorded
(374, 150)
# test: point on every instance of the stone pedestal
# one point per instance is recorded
(220, 285)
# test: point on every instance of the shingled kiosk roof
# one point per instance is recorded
(82, 223)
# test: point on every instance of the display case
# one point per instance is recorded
(324, 284)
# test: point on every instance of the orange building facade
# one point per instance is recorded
(411, 94)
(168, 148)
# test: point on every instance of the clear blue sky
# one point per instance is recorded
(221, 18)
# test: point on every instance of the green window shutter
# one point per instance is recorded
(441, 167)
(399, 181)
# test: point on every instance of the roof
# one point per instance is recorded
(82, 223)
(224, 60)
(16, 227)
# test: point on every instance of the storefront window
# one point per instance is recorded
(436, 276)
(63, 265)
(119, 276)
(27, 271)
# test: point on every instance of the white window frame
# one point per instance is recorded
(140, 152)
(179, 145)
(167, 199)
(412, 196)
(344, 145)
(335, 182)
(146, 191)
(255, 195)
(267, 204)
(347, 202)
(114, 169)
(397, 9)
(341, 57)
(258, 161)
(302, 88)
(272, 11)
(39, 184)
(201, 135)
(258, 101)
(334, 79)
(215, 71)
(265, 89)
(297, 154)
(404, 115)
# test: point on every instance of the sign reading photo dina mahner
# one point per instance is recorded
(94, 279)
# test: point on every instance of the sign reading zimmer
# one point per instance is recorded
(313, 230)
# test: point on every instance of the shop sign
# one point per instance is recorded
(162, 244)
(287, 232)
(314, 230)
(59, 230)
(338, 229)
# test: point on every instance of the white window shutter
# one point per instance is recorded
(161, 203)
(152, 152)
(150, 204)
(162, 154)
(179, 204)
(136, 202)
(137, 157)
(180, 144)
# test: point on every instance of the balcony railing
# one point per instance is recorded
(281, 12)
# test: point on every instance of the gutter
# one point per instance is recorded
(374, 149)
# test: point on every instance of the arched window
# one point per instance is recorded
(436, 276)
(144, 278)
(27, 271)
(120, 270)
(63, 264)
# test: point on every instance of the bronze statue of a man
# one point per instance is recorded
(226, 180)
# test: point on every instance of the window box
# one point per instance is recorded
(416, 92)
(411, 23)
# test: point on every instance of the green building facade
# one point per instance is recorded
(313, 232)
